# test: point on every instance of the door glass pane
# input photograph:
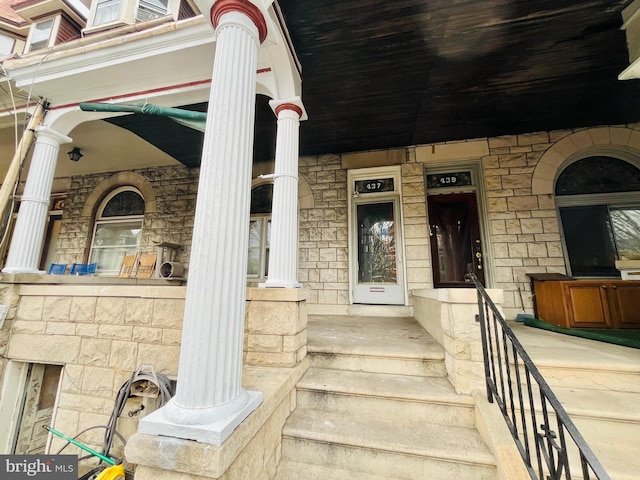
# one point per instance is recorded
(451, 233)
(589, 238)
(376, 243)
(626, 228)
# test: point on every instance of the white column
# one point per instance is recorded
(210, 401)
(28, 235)
(283, 244)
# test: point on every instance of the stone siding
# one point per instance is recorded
(416, 228)
(523, 227)
(100, 335)
(175, 191)
(518, 211)
(323, 262)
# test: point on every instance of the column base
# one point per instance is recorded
(205, 425)
(280, 284)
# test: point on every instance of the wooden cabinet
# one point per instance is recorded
(587, 303)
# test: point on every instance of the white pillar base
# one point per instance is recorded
(280, 284)
(206, 425)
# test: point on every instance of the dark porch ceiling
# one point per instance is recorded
(383, 74)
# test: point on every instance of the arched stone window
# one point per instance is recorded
(599, 203)
(117, 229)
(259, 231)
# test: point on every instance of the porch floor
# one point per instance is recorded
(393, 335)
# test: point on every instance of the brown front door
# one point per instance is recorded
(456, 246)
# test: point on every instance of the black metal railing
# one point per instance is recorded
(528, 404)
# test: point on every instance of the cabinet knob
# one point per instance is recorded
(614, 286)
(604, 287)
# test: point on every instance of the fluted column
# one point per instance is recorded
(210, 401)
(28, 235)
(283, 254)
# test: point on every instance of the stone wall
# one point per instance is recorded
(175, 191)
(101, 335)
(416, 228)
(323, 262)
(523, 227)
(520, 220)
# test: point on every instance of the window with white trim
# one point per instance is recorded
(598, 199)
(107, 11)
(150, 9)
(117, 230)
(259, 231)
(6, 45)
(41, 35)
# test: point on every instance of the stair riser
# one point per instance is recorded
(383, 463)
(289, 470)
(590, 379)
(421, 412)
(429, 368)
(607, 431)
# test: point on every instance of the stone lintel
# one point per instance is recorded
(377, 158)
(452, 151)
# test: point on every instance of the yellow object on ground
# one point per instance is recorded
(112, 473)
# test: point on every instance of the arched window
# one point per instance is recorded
(117, 230)
(259, 231)
(599, 203)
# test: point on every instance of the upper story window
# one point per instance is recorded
(150, 9)
(107, 11)
(6, 45)
(41, 35)
(113, 13)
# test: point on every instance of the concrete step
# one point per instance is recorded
(291, 470)
(374, 344)
(423, 399)
(567, 361)
(386, 447)
(603, 416)
(609, 422)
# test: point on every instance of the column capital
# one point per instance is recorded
(49, 133)
(220, 7)
(292, 104)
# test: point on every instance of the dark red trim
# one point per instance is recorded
(263, 70)
(243, 6)
(288, 106)
(126, 95)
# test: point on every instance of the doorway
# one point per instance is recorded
(377, 274)
(39, 400)
(456, 243)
